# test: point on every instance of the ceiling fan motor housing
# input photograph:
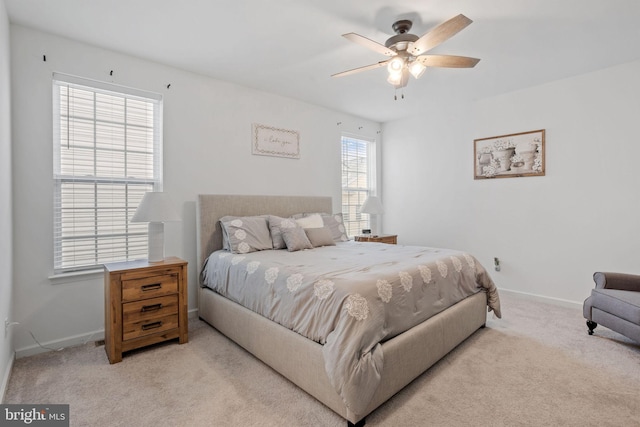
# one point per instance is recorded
(402, 38)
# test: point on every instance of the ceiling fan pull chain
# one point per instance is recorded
(395, 94)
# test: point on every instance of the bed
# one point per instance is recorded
(388, 365)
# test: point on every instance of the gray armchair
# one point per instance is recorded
(615, 304)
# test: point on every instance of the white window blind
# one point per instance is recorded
(107, 153)
(357, 180)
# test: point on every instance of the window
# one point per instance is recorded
(358, 178)
(107, 143)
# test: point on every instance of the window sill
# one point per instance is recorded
(75, 276)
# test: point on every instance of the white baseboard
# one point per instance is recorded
(73, 341)
(5, 378)
(59, 344)
(542, 298)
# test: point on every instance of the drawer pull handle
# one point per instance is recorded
(151, 287)
(152, 307)
(153, 325)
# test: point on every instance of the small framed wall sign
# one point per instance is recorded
(509, 156)
(271, 141)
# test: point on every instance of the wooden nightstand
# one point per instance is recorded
(145, 303)
(392, 239)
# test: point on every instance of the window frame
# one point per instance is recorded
(125, 186)
(359, 221)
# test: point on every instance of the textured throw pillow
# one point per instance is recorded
(246, 234)
(276, 225)
(319, 237)
(310, 221)
(296, 239)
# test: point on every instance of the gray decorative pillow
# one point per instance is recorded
(296, 239)
(319, 237)
(335, 222)
(225, 238)
(276, 225)
(246, 234)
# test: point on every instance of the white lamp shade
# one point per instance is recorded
(372, 205)
(155, 207)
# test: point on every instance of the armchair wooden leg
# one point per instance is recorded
(591, 325)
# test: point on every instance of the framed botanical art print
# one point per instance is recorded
(509, 156)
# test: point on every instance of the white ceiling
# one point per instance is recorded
(291, 47)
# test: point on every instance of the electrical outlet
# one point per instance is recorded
(496, 264)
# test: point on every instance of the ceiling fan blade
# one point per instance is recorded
(359, 69)
(439, 34)
(449, 61)
(369, 44)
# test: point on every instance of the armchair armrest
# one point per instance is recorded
(625, 282)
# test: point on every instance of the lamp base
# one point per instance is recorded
(156, 241)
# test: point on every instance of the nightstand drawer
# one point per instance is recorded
(149, 326)
(149, 308)
(149, 287)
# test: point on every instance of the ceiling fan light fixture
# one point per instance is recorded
(417, 69)
(395, 79)
(395, 65)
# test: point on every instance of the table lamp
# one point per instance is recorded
(156, 209)
(372, 206)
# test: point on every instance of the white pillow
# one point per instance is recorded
(311, 221)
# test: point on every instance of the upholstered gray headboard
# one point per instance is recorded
(211, 207)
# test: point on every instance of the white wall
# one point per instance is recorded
(551, 233)
(207, 127)
(6, 348)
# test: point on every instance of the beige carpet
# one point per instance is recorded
(536, 366)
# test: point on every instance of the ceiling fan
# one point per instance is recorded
(406, 51)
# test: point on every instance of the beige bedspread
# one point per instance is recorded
(350, 298)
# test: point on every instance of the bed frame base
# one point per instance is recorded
(301, 361)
